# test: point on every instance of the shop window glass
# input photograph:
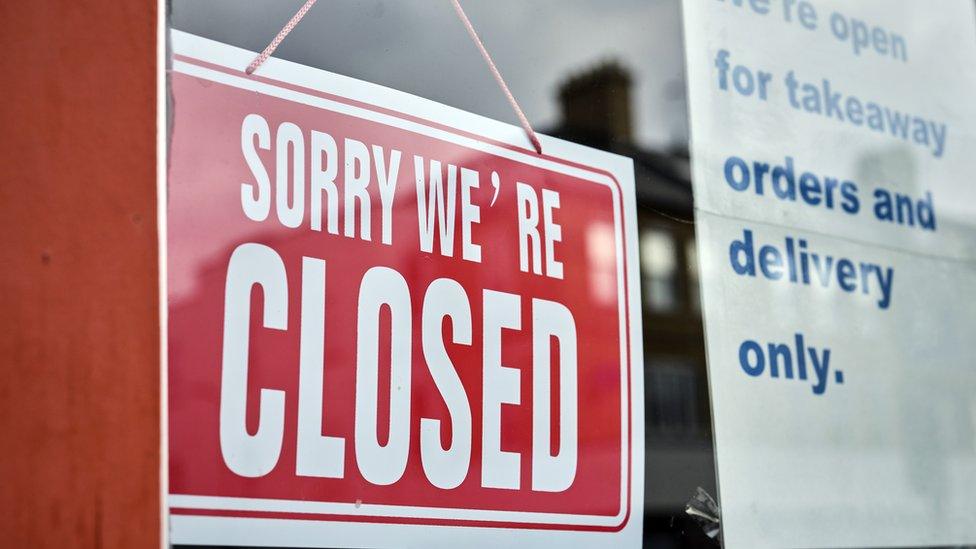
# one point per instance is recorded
(659, 263)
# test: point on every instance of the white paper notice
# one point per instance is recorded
(834, 163)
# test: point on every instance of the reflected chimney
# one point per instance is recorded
(596, 104)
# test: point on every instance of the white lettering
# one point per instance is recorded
(554, 233)
(355, 181)
(528, 227)
(470, 214)
(317, 455)
(380, 464)
(256, 202)
(435, 201)
(323, 145)
(553, 473)
(499, 469)
(245, 454)
(290, 137)
(387, 186)
(446, 467)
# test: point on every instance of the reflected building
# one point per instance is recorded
(596, 110)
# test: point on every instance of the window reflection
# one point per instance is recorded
(659, 267)
(672, 400)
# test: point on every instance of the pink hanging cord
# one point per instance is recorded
(260, 59)
(498, 78)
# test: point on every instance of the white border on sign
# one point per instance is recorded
(209, 529)
(162, 154)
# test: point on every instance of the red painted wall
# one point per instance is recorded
(79, 331)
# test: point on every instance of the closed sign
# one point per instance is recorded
(387, 317)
